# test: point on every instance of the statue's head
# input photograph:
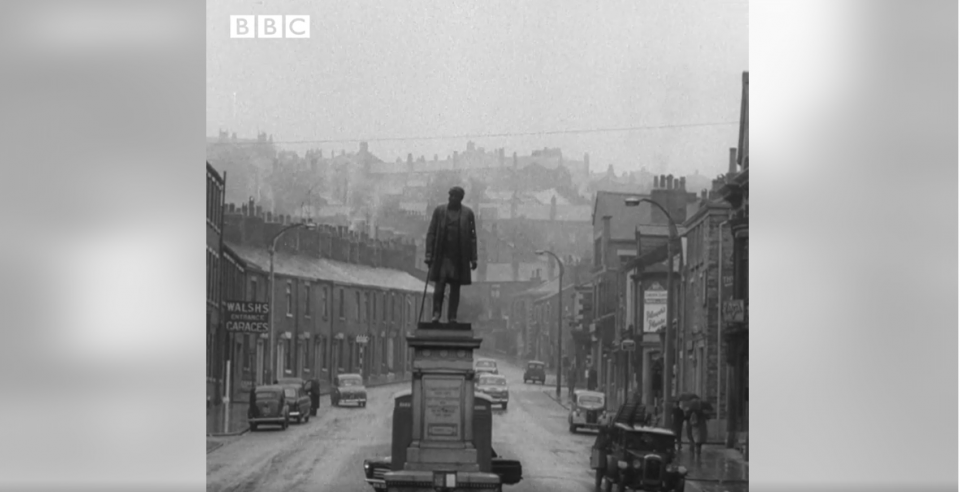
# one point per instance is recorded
(456, 195)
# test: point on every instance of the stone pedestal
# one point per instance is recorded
(443, 389)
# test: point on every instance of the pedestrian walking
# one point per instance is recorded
(677, 417)
(697, 429)
(571, 381)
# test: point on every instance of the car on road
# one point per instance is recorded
(485, 365)
(535, 372)
(298, 403)
(374, 469)
(588, 410)
(269, 407)
(348, 388)
(311, 387)
(635, 457)
(494, 386)
(639, 459)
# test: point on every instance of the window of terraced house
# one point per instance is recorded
(306, 291)
(343, 311)
(366, 306)
(373, 309)
(357, 300)
(323, 302)
(289, 298)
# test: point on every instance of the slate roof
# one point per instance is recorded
(624, 219)
(503, 272)
(544, 290)
(330, 270)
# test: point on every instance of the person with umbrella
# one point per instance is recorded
(686, 401)
(696, 425)
(676, 421)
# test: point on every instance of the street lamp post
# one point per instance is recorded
(559, 314)
(273, 295)
(668, 359)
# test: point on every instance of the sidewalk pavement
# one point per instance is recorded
(718, 469)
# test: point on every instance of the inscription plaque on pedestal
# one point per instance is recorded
(443, 404)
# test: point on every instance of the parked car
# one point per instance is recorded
(348, 388)
(589, 410)
(494, 386)
(535, 372)
(298, 403)
(635, 457)
(485, 365)
(269, 407)
(311, 387)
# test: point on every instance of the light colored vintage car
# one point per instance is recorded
(485, 365)
(589, 410)
(494, 386)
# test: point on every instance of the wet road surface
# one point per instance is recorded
(327, 453)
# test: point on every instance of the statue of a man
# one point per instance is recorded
(451, 252)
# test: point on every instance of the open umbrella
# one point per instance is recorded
(687, 397)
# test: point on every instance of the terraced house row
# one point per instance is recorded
(342, 302)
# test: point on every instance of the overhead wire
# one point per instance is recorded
(484, 135)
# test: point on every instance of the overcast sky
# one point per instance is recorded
(408, 69)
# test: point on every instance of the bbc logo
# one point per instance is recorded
(270, 26)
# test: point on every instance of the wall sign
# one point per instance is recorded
(442, 408)
(654, 310)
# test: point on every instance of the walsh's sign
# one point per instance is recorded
(654, 310)
(248, 317)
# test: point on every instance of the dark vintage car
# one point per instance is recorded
(311, 386)
(635, 457)
(375, 469)
(534, 372)
(298, 403)
(348, 388)
(268, 406)
(510, 471)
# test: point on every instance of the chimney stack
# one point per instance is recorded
(586, 160)
(733, 161)
(683, 183)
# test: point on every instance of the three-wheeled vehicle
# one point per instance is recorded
(535, 372)
(268, 406)
(634, 457)
(589, 410)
